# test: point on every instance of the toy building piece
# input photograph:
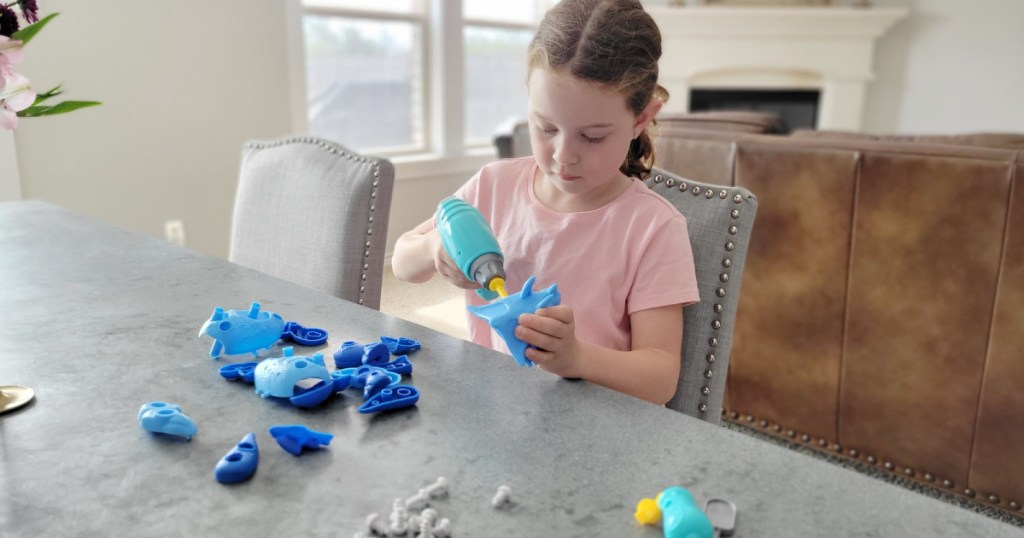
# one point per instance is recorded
(400, 366)
(502, 498)
(240, 463)
(680, 515)
(278, 377)
(376, 354)
(375, 382)
(166, 418)
(400, 345)
(348, 355)
(304, 336)
(295, 437)
(242, 331)
(358, 376)
(391, 398)
(246, 371)
(722, 515)
(503, 314)
(342, 379)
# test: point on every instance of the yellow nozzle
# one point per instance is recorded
(497, 285)
(647, 512)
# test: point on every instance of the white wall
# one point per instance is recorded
(183, 84)
(952, 66)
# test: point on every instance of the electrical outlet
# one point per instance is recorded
(174, 231)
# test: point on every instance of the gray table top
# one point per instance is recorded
(99, 320)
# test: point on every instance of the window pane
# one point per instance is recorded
(390, 6)
(363, 81)
(495, 78)
(516, 11)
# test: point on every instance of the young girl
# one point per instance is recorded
(575, 214)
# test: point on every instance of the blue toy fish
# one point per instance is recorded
(503, 315)
(240, 331)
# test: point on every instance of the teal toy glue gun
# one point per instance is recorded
(468, 239)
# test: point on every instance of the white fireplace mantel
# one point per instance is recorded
(830, 49)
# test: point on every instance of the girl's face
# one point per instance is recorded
(580, 133)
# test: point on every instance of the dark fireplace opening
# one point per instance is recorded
(797, 109)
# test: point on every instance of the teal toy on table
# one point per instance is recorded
(468, 239)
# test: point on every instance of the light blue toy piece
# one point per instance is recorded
(162, 417)
(295, 437)
(681, 517)
(503, 315)
(356, 377)
(242, 331)
(278, 377)
(239, 464)
(400, 345)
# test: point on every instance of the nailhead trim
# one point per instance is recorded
(337, 150)
(853, 453)
(709, 194)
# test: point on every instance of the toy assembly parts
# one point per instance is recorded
(680, 517)
(412, 516)
(236, 332)
(294, 438)
(165, 418)
(306, 382)
(239, 464)
(503, 315)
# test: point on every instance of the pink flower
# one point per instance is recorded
(10, 53)
(15, 95)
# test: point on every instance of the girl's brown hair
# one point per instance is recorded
(614, 43)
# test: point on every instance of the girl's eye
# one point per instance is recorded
(591, 140)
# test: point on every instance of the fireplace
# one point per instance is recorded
(798, 109)
(814, 62)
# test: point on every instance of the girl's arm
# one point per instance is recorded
(419, 255)
(650, 370)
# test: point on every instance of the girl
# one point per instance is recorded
(575, 214)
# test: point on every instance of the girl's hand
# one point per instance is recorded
(446, 266)
(552, 331)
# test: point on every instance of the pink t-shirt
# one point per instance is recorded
(632, 254)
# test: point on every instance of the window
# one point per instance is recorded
(399, 77)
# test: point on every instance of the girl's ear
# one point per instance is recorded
(646, 116)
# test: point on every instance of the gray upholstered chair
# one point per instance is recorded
(314, 213)
(512, 138)
(719, 219)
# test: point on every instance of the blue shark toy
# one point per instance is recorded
(242, 331)
(503, 315)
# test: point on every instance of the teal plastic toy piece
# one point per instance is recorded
(166, 418)
(242, 331)
(503, 315)
(680, 515)
(278, 377)
(468, 239)
(296, 437)
(239, 464)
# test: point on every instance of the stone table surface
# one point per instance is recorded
(99, 321)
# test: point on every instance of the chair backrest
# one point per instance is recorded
(512, 138)
(719, 220)
(314, 213)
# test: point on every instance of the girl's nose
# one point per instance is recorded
(564, 153)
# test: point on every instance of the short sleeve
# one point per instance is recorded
(665, 274)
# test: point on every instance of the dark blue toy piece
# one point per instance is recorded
(246, 371)
(400, 366)
(304, 336)
(315, 395)
(342, 379)
(242, 331)
(295, 437)
(400, 345)
(376, 354)
(375, 382)
(357, 376)
(395, 397)
(348, 355)
(239, 464)
(503, 315)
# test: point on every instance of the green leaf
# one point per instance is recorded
(27, 33)
(40, 97)
(59, 108)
